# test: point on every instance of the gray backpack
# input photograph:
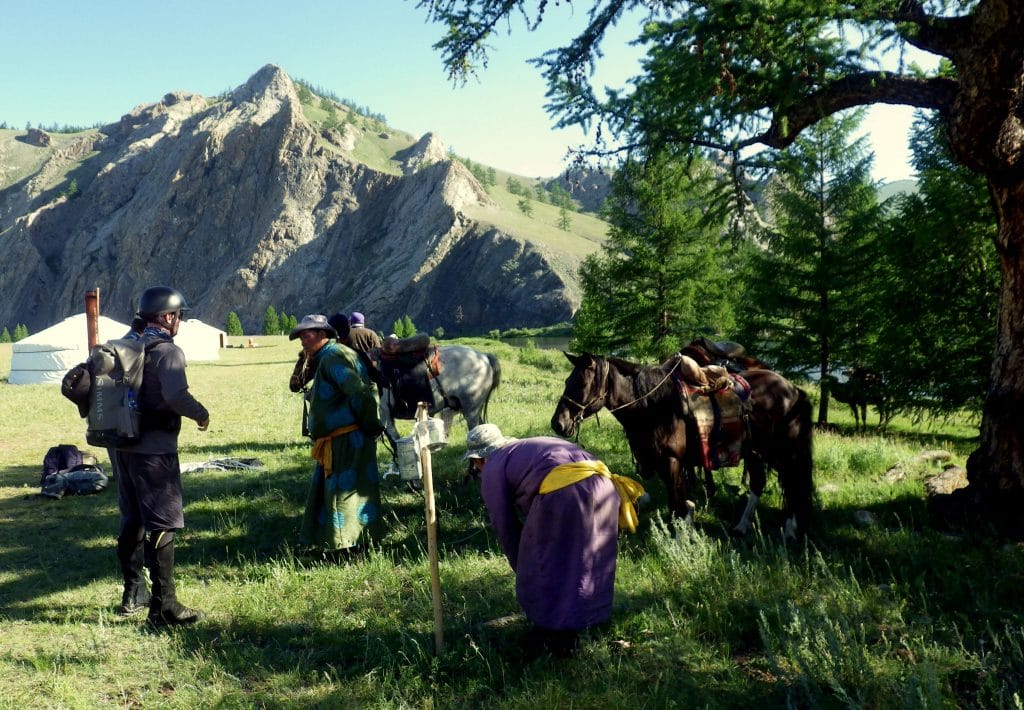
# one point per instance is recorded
(116, 370)
(81, 480)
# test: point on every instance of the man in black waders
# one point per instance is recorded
(149, 480)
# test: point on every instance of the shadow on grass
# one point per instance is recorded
(232, 518)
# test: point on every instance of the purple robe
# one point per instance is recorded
(564, 550)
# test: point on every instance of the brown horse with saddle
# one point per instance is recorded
(762, 419)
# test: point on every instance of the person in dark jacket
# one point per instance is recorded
(360, 338)
(149, 477)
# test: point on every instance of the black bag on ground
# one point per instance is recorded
(61, 457)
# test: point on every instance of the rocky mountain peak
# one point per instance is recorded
(242, 204)
(427, 150)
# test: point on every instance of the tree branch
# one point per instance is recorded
(859, 90)
(943, 36)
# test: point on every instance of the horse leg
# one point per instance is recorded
(677, 486)
(448, 416)
(709, 483)
(755, 472)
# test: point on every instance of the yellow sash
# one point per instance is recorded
(324, 453)
(629, 489)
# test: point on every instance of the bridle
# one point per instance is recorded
(582, 416)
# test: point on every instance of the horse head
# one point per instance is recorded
(584, 394)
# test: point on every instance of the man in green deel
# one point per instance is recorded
(343, 511)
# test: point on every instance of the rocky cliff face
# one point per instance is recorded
(242, 204)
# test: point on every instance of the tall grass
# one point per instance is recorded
(888, 614)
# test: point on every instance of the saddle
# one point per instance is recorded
(724, 353)
(409, 368)
(719, 411)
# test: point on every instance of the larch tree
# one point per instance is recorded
(805, 290)
(660, 279)
(937, 283)
(732, 74)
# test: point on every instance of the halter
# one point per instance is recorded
(582, 415)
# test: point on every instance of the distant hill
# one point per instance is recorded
(896, 187)
(259, 198)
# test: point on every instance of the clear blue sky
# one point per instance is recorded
(80, 63)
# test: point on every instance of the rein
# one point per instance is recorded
(650, 391)
(602, 394)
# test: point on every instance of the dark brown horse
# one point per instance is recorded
(656, 419)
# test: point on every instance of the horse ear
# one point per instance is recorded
(574, 359)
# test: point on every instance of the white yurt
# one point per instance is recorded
(199, 341)
(46, 356)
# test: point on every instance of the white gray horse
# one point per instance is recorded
(465, 382)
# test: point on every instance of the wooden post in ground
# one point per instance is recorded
(428, 497)
(92, 317)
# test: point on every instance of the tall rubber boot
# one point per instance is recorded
(135, 597)
(164, 608)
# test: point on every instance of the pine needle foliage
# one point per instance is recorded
(661, 277)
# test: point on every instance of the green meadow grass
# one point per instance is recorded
(891, 615)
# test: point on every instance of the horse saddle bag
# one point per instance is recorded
(720, 417)
(409, 376)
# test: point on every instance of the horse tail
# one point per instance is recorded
(798, 484)
(495, 381)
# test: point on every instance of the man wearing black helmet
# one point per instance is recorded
(149, 491)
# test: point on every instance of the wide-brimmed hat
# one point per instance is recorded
(314, 321)
(483, 440)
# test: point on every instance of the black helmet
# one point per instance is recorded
(161, 299)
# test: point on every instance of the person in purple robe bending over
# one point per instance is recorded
(556, 511)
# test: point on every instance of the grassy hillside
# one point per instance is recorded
(377, 144)
(890, 614)
(18, 159)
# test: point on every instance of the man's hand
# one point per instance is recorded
(204, 425)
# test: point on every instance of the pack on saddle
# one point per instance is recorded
(717, 396)
(409, 368)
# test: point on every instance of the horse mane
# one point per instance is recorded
(648, 380)
(624, 366)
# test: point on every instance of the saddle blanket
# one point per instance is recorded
(719, 417)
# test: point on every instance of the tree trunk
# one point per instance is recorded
(996, 470)
(987, 135)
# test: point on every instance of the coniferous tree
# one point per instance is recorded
(271, 323)
(659, 279)
(20, 332)
(5, 336)
(233, 325)
(937, 284)
(404, 327)
(807, 296)
(525, 206)
(564, 220)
